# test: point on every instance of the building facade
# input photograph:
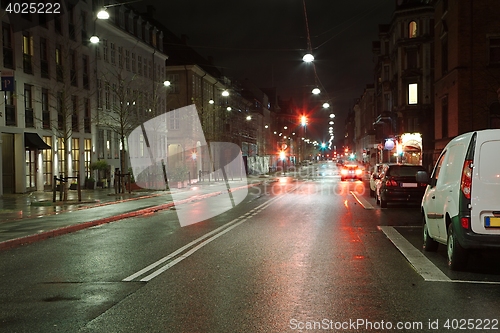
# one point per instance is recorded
(404, 84)
(467, 76)
(63, 95)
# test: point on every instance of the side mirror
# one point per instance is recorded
(423, 177)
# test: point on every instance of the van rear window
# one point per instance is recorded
(489, 168)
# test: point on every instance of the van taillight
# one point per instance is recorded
(466, 182)
(464, 221)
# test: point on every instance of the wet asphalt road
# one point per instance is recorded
(302, 255)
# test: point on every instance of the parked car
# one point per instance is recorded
(351, 171)
(461, 206)
(398, 183)
(375, 178)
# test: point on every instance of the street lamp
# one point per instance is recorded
(326, 105)
(303, 120)
(316, 91)
(103, 14)
(308, 58)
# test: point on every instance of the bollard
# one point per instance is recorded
(54, 187)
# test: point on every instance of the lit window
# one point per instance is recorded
(412, 93)
(412, 29)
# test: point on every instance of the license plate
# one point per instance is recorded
(492, 222)
(409, 185)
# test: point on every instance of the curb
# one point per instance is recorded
(16, 242)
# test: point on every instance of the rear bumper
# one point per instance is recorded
(471, 240)
(401, 196)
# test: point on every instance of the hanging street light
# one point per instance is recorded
(103, 14)
(308, 57)
(316, 91)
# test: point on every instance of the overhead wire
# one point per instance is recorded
(317, 81)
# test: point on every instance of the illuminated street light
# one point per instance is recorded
(332, 115)
(249, 117)
(94, 39)
(228, 108)
(316, 91)
(303, 120)
(166, 83)
(211, 101)
(225, 93)
(308, 57)
(326, 105)
(103, 14)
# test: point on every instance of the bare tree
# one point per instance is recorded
(128, 101)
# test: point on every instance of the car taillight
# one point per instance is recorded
(466, 182)
(359, 172)
(343, 172)
(464, 221)
(391, 182)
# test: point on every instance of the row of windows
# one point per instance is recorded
(75, 104)
(76, 66)
(130, 61)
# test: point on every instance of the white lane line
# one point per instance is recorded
(190, 252)
(362, 201)
(420, 263)
(218, 232)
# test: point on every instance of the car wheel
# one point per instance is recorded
(430, 245)
(457, 255)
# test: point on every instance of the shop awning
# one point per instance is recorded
(34, 141)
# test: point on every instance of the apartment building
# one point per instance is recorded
(467, 75)
(63, 95)
(404, 84)
(48, 103)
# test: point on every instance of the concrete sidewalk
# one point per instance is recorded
(27, 218)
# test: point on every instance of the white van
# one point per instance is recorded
(461, 204)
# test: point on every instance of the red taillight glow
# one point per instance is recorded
(466, 182)
(464, 221)
(391, 182)
(343, 172)
(359, 172)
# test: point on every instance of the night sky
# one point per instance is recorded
(264, 41)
